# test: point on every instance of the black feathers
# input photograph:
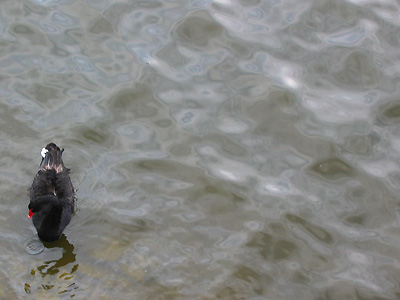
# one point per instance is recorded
(51, 195)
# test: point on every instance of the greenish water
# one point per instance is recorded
(221, 149)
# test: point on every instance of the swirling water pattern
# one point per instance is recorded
(221, 149)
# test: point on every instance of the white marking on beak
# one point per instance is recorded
(43, 152)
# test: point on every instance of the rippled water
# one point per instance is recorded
(221, 149)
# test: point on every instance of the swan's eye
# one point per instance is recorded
(30, 214)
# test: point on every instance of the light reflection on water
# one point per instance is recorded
(221, 150)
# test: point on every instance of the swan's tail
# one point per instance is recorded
(52, 158)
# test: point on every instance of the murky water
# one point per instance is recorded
(221, 149)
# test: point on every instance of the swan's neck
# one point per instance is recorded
(50, 227)
(52, 216)
(51, 209)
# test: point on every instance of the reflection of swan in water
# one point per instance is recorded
(68, 256)
(48, 270)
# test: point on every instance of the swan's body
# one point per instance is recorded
(52, 195)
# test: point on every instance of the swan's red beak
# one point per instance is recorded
(30, 214)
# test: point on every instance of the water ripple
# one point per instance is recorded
(220, 149)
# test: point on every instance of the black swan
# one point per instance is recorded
(52, 195)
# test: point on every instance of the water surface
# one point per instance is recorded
(221, 149)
